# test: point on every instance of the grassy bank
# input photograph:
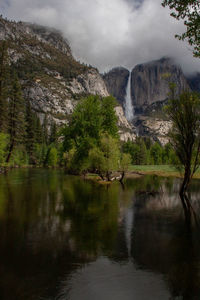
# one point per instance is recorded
(160, 170)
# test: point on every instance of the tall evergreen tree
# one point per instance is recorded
(38, 130)
(30, 133)
(45, 130)
(16, 126)
(53, 133)
(4, 75)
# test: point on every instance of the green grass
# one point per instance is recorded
(160, 170)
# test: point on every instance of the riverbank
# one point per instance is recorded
(133, 172)
(159, 170)
(136, 171)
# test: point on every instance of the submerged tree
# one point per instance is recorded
(184, 112)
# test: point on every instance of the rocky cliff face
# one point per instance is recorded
(126, 130)
(149, 90)
(150, 82)
(155, 128)
(52, 80)
(58, 98)
(116, 82)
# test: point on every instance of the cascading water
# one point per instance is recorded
(129, 110)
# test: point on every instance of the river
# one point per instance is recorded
(66, 238)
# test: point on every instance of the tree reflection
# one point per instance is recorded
(52, 224)
(164, 243)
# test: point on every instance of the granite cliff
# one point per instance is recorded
(150, 82)
(116, 82)
(51, 79)
(194, 82)
(149, 92)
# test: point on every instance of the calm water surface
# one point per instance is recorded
(63, 238)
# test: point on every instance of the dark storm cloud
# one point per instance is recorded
(110, 33)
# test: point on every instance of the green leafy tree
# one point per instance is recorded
(109, 122)
(137, 151)
(89, 120)
(105, 159)
(52, 159)
(156, 153)
(184, 112)
(168, 155)
(142, 153)
(189, 10)
(125, 162)
(110, 148)
(19, 156)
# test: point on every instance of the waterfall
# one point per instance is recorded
(129, 110)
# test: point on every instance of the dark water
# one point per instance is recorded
(65, 238)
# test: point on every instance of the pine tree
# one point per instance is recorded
(45, 130)
(30, 133)
(16, 126)
(53, 133)
(4, 77)
(38, 130)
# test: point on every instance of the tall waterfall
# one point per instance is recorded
(129, 110)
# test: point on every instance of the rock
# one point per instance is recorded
(52, 80)
(194, 82)
(126, 130)
(116, 82)
(149, 83)
(90, 83)
(154, 128)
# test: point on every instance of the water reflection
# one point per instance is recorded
(66, 238)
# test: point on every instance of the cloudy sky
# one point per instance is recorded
(108, 33)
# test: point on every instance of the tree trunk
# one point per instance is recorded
(122, 177)
(186, 181)
(108, 176)
(187, 211)
(10, 152)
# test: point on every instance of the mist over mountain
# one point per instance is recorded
(106, 34)
(52, 80)
(149, 83)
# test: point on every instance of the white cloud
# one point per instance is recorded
(110, 33)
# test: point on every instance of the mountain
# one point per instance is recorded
(116, 82)
(149, 93)
(194, 82)
(51, 79)
(150, 82)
